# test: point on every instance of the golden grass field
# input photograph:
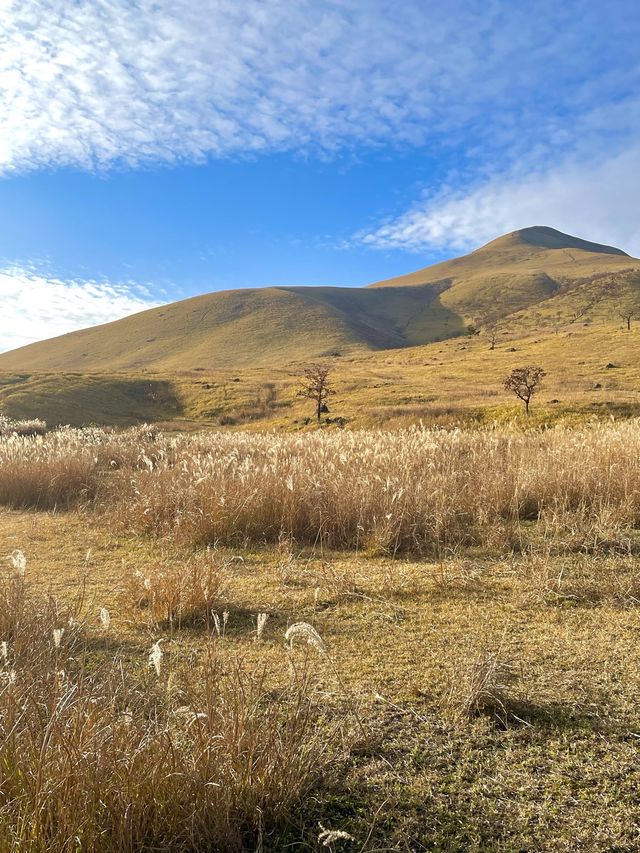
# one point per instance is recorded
(410, 627)
(472, 684)
(458, 380)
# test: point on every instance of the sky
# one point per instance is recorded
(151, 150)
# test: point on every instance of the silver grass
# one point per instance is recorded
(155, 656)
(261, 621)
(305, 631)
(328, 836)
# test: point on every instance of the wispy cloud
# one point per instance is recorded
(96, 82)
(595, 199)
(36, 307)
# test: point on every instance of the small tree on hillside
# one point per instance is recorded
(524, 382)
(316, 386)
(492, 334)
(628, 313)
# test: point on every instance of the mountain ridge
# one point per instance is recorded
(284, 324)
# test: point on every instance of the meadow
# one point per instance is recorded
(591, 371)
(422, 639)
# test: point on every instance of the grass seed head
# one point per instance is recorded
(305, 631)
(329, 836)
(155, 656)
(19, 562)
(261, 621)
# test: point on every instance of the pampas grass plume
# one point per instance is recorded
(305, 631)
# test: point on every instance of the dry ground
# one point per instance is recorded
(545, 757)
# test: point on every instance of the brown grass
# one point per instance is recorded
(66, 467)
(535, 535)
(174, 593)
(480, 683)
(101, 753)
(557, 771)
(9, 427)
(419, 490)
(422, 491)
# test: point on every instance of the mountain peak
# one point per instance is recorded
(544, 237)
(257, 327)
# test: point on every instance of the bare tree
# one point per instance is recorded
(492, 334)
(590, 302)
(628, 313)
(316, 386)
(523, 382)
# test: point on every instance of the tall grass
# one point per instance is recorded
(66, 467)
(418, 490)
(98, 754)
(422, 490)
(8, 426)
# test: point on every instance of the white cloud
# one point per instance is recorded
(35, 307)
(592, 199)
(96, 82)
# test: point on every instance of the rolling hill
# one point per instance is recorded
(400, 349)
(275, 326)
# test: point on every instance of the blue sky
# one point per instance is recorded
(151, 150)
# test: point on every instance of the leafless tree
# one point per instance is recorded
(590, 302)
(523, 382)
(316, 386)
(492, 334)
(628, 313)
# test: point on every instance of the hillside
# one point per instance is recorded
(516, 271)
(400, 349)
(280, 325)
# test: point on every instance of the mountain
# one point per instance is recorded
(279, 325)
(515, 271)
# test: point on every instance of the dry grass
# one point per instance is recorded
(174, 593)
(102, 753)
(557, 772)
(480, 683)
(419, 490)
(66, 467)
(581, 581)
(8, 427)
(536, 577)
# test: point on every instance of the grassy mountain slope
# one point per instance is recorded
(232, 328)
(515, 271)
(528, 250)
(251, 327)
(452, 380)
(279, 325)
(399, 349)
